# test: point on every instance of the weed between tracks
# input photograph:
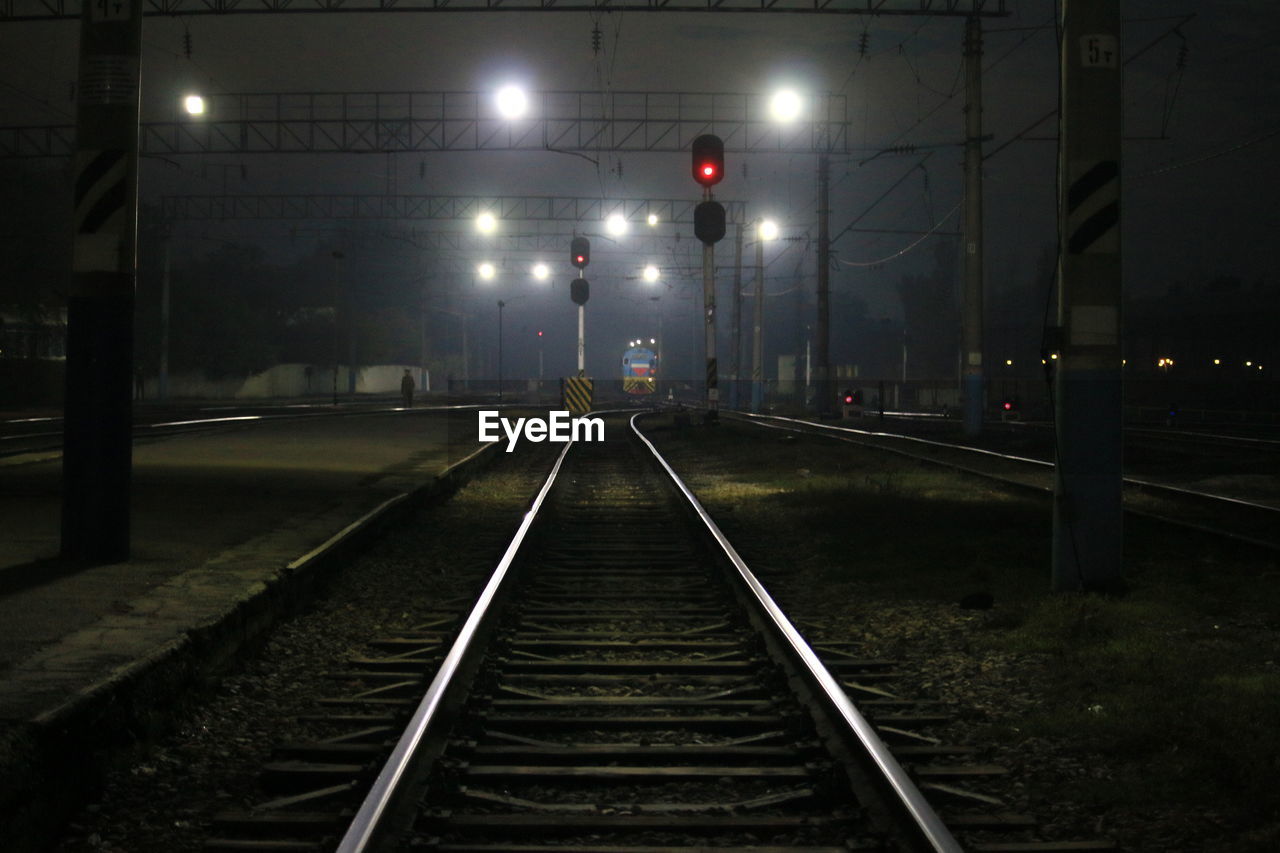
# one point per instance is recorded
(1153, 714)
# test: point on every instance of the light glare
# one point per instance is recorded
(540, 271)
(486, 270)
(486, 222)
(616, 224)
(768, 230)
(512, 102)
(785, 105)
(194, 105)
(651, 273)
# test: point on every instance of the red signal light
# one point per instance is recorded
(539, 333)
(1008, 406)
(580, 260)
(848, 399)
(708, 159)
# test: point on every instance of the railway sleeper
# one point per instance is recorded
(637, 754)
(595, 847)
(626, 821)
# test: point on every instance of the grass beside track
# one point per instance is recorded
(1156, 710)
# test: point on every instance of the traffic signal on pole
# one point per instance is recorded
(848, 398)
(708, 222)
(708, 159)
(579, 291)
(580, 252)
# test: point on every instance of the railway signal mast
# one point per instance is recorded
(579, 292)
(709, 227)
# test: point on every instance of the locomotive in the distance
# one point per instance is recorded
(639, 370)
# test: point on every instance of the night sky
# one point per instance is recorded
(1197, 204)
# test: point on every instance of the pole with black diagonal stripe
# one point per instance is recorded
(1087, 531)
(97, 450)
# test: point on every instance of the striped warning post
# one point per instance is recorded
(576, 393)
(1093, 208)
(101, 205)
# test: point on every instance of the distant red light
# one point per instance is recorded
(708, 170)
(581, 259)
(1008, 406)
(848, 399)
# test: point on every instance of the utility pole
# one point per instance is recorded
(97, 450)
(422, 330)
(337, 329)
(736, 379)
(162, 389)
(823, 353)
(501, 305)
(757, 340)
(1087, 529)
(971, 334)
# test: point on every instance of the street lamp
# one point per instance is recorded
(616, 224)
(486, 223)
(541, 271)
(653, 219)
(486, 271)
(651, 273)
(194, 105)
(767, 229)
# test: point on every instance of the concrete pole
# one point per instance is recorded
(466, 356)
(822, 354)
(162, 389)
(337, 329)
(422, 333)
(709, 317)
(735, 380)
(757, 341)
(971, 333)
(501, 305)
(97, 450)
(1087, 530)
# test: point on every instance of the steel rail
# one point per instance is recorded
(909, 796)
(1148, 485)
(364, 826)
(1043, 490)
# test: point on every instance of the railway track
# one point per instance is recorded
(622, 683)
(1252, 522)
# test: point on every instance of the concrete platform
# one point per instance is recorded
(230, 527)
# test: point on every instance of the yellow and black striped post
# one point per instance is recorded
(576, 393)
(97, 442)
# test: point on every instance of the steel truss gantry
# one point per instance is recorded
(47, 10)
(582, 211)
(385, 122)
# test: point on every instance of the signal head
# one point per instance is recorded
(580, 252)
(708, 160)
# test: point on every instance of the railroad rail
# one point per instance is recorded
(1250, 522)
(43, 435)
(622, 682)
